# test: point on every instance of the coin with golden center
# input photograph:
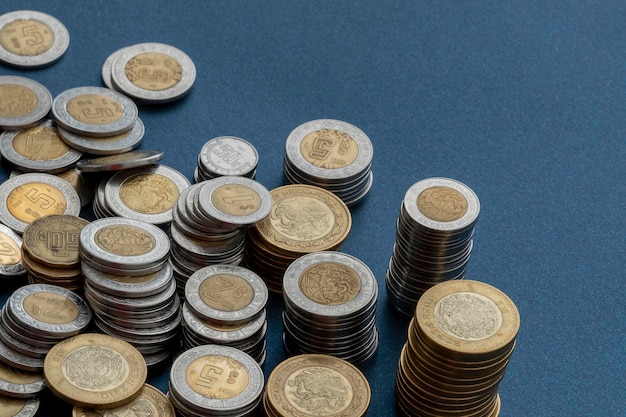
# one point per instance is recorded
(53, 240)
(236, 199)
(10, 252)
(227, 292)
(304, 219)
(125, 240)
(330, 283)
(149, 193)
(329, 148)
(153, 71)
(17, 100)
(40, 143)
(317, 385)
(151, 403)
(26, 37)
(20, 407)
(95, 371)
(442, 204)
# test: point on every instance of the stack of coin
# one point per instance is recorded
(331, 154)
(11, 265)
(209, 223)
(130, 286)
(225, 305)
(459, 344)
(330, 307)
(303, 219)
(22, 407)
(15, 383)
(433, 239)
(226, 155)
(316, 385)
(150, 402)
(50, 251)
(35, 318)
(81, 184)
(95, 371)
(212, 380)
(149, 73)
(25, 102)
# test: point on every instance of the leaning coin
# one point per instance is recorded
(153, 73)
(31, 39)
(94, 111)
(18, 407)
(150, 402)
(23, 102)
(95, 371)
(29, 196)
(11, 254)
(110, 145)
(126, 160)
(18, 384)
(107, 66)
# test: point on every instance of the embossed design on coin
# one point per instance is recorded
(329, 148)
(9, 250)
(16, 100)
(95, 368)
(302, 218)
(468, 316)
(26, 37)
(34, 200)
(226, 292)
(95, 109)
(149, 193)
(236, 199)
(217, 376)
(153, 71)
(330, 283)
(318, 391)
(125, 240)
(50, 308)
(40, 143)
(442, 204)
(150, 403)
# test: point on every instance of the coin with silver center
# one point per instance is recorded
(31, 39)
(111, 145)
(126, 160)
(94, 111)
(23, 102)
(10, 256)
(153, 72)
(227, 155)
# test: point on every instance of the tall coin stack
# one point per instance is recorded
(226, 156)
(303, 219)
(459, 344)
(209, 223)
(212, 380)
(330, 307)
(225, 305)
(331, 154)
(130, 286)
(433, 239)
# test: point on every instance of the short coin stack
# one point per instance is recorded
(225, 305)
(11, 265)
(226, 155)
(209, 223)
(130, 286)
(330, 307)
(50, 251)
(35, 318)
(303, 219)
(433, 239)
(149, 400)
(216, 380)
(331, 154)
(459, 344)
(316, 385)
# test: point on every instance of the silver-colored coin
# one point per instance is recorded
(153, 72)
(76, 179)
(131, 315)
(28, 407)
(94, 111)
(205, 249)
(23, 102)
(228, 155)
(150, 302)
(20, 346)
(128, 286)
(31, 306)
(234, 200)
(164, 331)
(10, 256)
(29, 196)
(31, 39)
(112, 145)
(126, 160)
(16, 384)
(38, 149)
(145, 193)
(123, 243)
(24, 335)
(18, 360)
(227, 294)
(243, 365)
(107, 67)
(167, 316)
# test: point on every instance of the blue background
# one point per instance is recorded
(522, 101)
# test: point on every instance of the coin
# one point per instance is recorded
(95, 371)
(10, 255)
(128, 286)
(153, 72)
(94, 111)
(107, 67)
(23, 102)
(30, 196)
(126, 160)
(18, 407)
(110, 145)
(150, 401)
(227, 155)
(31, 39)
(19, 384)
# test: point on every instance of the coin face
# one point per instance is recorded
(23, 102)
(150, 402)
(19, 384)
(10, 253)
(95, 371)
(31, 39)
(53, 240)
(109, 145)
(329, 148)
(17, 407)
(228, 155)
(330, 283)
(442, 204)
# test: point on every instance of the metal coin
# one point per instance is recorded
(128, 286)
(19, 407)
(134, 304)
(11, 255)
(213, 332)
(94, 111)
(227, 155)
(19, 360)
(17, 384)
(21, 347)
(31, 39)
(107, 67)
(24, 102)
(126, 160)
(149, 400)
(111, 145)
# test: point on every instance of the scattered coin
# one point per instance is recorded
(23, 102)
(111, 145)
(107, 67)
(126, 160)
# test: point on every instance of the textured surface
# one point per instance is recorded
(522, 101)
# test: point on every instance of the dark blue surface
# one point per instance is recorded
(522, 101)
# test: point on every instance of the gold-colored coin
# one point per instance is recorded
(330, 283)
(125, 240)
(17, 100)
(50, 273)
(53, 240)
(228, 377)
(34, 200)
(329, 148)
(226, 292)
(442, 204)
(16, 376)
(95, 109)
(50, 308)
(26, 37)
(305, 219)
(150, 403)
(317, 385)
(95, 371)
(153, 71)
(10, 253)
(149, 193)
(40, 143)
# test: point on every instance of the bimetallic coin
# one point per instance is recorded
(18, 360)
(30, 196)
(95, 371)
(111, 145)
(153, 72)
(128, 286)
(31, 39)
(19, 384)
(107, 67)
(227, 155)
(23, 102)
(150, 402)
(19, 407)
(94, 111)
(10, 253)
(126, 160)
